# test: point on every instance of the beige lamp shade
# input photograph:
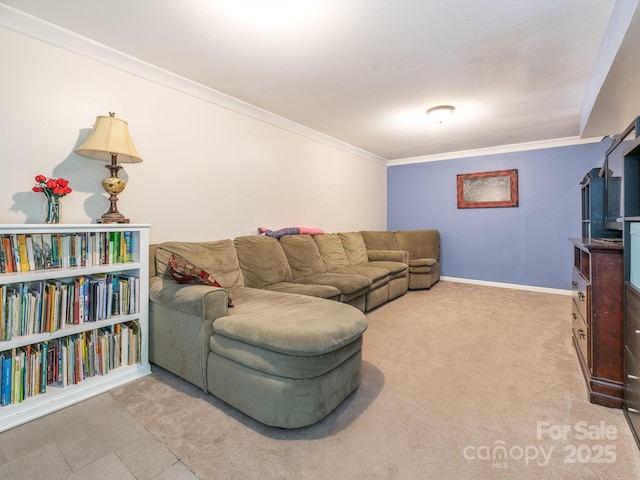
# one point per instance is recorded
(110, 135)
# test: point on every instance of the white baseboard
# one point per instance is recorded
(556, 291)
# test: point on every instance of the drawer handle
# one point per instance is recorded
(633, 377)
(582, 334)
(638, 332)
(633, 410)
(581, 296)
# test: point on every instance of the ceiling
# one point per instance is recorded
(365, 71)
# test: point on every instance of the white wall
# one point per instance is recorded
(208, 172)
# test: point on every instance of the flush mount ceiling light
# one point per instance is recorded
(440, 113)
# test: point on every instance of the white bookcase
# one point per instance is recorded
(137, 265)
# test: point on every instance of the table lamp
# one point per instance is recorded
(110, 141)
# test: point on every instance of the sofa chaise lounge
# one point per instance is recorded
(285, 359)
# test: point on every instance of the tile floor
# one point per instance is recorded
(94, 439)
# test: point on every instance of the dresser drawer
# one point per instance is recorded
(632, 321)
(581, 295)
(582, 334)
(632, 390)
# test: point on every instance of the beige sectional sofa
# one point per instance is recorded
(289, 351)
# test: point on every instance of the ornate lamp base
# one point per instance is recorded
(113, 186)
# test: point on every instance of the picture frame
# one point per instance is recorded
(488, 189)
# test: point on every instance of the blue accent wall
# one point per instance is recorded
(524, 245)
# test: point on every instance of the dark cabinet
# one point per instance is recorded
(597, 318)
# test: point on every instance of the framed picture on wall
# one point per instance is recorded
(488, 189)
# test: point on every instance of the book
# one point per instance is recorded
(65, 251)
(44, 368)
(124, 344)
(8, 252)
(46, 250)
(22, 247)
(16, 381)
(52, 361)
(3, 316)
(113, 247)
(55, 250)
(76, 257)
(16, 252)
(37, 251)
(31, 255)
(3, 259)
(7, 369)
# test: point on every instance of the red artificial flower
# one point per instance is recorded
(52, 187)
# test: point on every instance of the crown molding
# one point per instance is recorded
(38, 29)
(516, 147)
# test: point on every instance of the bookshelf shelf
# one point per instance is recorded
(59, 273)
(85, 329)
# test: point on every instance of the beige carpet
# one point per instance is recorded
(459, 382)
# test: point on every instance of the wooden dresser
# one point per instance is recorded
(597, 316)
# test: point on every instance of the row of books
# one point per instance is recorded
(28, 371)
(22, 252)
(47, 306)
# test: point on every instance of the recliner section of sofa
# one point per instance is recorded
(347, 253)
(422, 246)
(396, 262)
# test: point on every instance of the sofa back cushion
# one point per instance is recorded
(419, 243)
(303, 255)
(354, 247)
(331, 251)
(262, 261)
(382, 240)
(218, 258)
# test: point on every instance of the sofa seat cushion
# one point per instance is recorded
(319, 291)
(395, 269)
(281, 364)
(378, 276)
(422, 265)
(350, 285)
(422, 262)
(290, 324)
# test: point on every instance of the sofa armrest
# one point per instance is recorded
(388, 256)
(180, 325)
